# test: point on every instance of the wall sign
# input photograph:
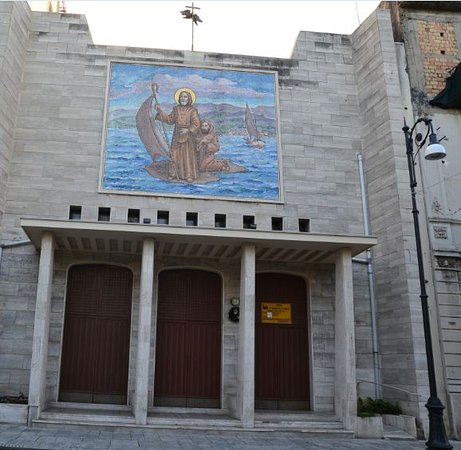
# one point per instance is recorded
(276, 313)
(175, 130)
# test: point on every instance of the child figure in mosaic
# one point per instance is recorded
(207, 146)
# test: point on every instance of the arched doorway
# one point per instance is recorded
(96, 342)
(188, 344)
(282, 343)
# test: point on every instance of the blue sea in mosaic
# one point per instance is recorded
(126, 158)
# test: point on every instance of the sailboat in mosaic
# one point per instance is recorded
(154, 141)
(254, 138)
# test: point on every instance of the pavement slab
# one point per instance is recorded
(63, 437)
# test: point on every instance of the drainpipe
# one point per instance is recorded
(12, 244)
(371, 288)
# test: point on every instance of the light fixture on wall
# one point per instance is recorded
(234, 312)
(434, 151)
(235, 301)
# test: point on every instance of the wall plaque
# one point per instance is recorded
(276, 313)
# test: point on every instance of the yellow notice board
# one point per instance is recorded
(276, 313)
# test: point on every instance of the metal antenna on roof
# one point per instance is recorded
(357, 11)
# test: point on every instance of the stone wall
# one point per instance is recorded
(324, 97)
(60, 121)
(18, 287)
(14, 26)
(399, 317)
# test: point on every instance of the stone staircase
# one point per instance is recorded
(80, 415)
(305, 422)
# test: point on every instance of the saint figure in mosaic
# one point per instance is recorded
(183, 154)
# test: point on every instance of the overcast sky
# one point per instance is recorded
(264, 28)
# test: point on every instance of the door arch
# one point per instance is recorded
(281, 349)
(188, 344)
(96, 339)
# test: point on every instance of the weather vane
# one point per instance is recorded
(189, 13)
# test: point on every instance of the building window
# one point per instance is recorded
(133, 215)
(191, 219)
(75, 212)
(249, 222)
(163, 217)
(104, 214)
(304, 225)
(220, 220)
(277, 223)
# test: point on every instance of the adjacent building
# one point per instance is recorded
(430, 33)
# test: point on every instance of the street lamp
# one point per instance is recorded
(434, 151)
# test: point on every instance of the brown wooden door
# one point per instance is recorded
(95, 353)
(282, 352)
(188, 345)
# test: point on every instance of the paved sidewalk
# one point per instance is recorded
(95, 438)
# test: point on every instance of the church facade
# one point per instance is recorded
(187, 231)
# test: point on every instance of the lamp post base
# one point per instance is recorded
(437, 436)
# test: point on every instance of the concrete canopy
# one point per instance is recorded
(194, 241)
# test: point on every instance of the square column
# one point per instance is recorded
(37, 383)
(246, 351)
(345, 379)
(144, 332)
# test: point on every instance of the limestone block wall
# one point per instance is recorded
(18, 289)
(60, 125)
(320, 125)
(323, 100)
(399, 318)
(363, 332)
(14, 26)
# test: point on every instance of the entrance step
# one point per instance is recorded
(391, 432)
(78, 414)
(300, 416)
(202, 421)
(308, 422)
(81, 415)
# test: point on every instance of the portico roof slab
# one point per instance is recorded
(188, 241)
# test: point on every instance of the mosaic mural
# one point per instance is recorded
(191, 132)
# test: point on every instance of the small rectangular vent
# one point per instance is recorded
(75, 212)
(304, 225)
(103, 214)
(133, 215)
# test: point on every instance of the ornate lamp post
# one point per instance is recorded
(434, 151)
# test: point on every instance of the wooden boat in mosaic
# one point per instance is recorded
(150, 135)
